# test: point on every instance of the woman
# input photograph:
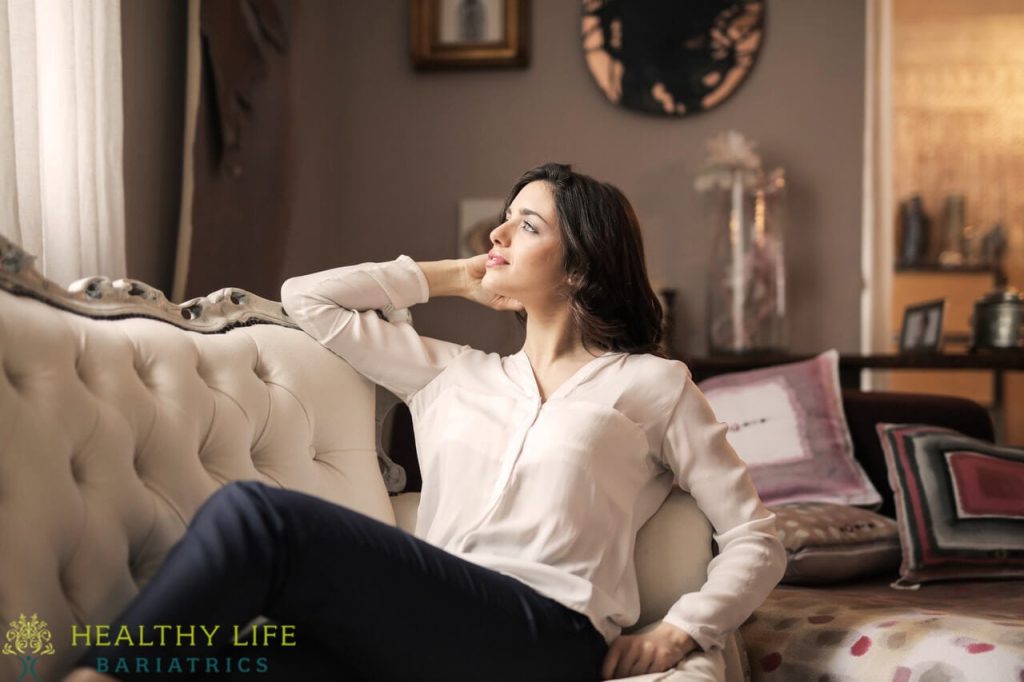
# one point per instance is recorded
(538, 470)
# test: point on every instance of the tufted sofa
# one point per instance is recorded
(121, 412)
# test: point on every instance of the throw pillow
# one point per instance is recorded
(787, 423)
(958, 504)
(831, 543)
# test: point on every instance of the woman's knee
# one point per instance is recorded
(235, 497)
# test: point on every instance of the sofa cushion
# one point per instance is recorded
(831, 543)
(672, 553)
(866, 631)
(788, 425)
(958, 504)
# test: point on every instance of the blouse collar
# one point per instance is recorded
(527, 379)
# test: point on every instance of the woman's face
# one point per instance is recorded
(530, 243)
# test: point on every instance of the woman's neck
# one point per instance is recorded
(551, 338)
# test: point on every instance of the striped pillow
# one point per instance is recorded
(959, 504)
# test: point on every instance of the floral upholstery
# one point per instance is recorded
(868, 631)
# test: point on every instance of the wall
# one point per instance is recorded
(385, 153)
(153, 71)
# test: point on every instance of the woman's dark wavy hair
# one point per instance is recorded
(611, 300)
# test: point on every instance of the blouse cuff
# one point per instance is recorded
(704, 639)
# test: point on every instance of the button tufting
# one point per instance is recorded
(62, 581)
(76, 472)
(192, 312)
(79, 370)
(142, 371)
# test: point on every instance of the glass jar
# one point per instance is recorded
(746, 290)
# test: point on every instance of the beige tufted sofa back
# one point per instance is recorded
(115, 428)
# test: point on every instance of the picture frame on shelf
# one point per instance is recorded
(467, 34)
(922, 327)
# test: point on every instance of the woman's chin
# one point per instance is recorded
(491, 282)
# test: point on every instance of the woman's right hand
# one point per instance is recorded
(476, 268)
(462, 277)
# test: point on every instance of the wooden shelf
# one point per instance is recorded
(850, 365)
(948, 269)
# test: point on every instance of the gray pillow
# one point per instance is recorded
(830, 543)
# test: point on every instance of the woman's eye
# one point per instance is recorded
(532, 228)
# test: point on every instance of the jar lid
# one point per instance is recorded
(1006, 295)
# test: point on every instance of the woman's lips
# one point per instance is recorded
(493, 261)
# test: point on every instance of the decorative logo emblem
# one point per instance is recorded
(29, 640)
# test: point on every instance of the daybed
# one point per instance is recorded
(121, 412)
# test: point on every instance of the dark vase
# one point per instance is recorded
(914, 232)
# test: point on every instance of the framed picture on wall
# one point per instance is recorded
(453, 34)
(922, 327)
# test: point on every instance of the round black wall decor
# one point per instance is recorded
(671, 57)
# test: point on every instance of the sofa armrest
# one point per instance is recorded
(865, 409)
(718, 665)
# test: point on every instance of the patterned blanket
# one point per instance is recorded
(942, 632)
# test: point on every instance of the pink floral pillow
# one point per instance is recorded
(787, 423)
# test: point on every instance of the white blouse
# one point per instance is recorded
(551, 492)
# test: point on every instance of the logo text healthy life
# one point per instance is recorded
(262, 635)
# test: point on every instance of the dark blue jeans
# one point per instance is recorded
(364, 601)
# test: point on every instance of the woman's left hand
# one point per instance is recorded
(651, 652)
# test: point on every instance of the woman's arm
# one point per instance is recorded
(751, 559)
(338, 307)
(445, 277)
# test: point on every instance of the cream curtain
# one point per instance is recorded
(61, 127)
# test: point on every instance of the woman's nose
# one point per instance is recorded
(498, 235)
